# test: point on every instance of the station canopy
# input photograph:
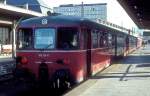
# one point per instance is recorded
(8, 13)
(34, 5)
(139, 11)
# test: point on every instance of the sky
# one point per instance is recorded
(115, 13)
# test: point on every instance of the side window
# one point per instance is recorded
(94, 38)
(110, 40)
(103, 38)
(85, 38)
(120, 40)
(67, 38)
(113, 40)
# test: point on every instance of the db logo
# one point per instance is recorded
(44, 21)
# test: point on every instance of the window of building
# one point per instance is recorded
(2, 1)
(5, 37)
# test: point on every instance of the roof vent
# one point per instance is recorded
(49, 13)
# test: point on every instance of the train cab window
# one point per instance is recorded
(44, 38)
(67, 38)
(25, 37)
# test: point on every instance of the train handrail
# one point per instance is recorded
(114, 26)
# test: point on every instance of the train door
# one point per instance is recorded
(87, 47)
(127, 43)
(115, 36)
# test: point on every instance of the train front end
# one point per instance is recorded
(50, 53)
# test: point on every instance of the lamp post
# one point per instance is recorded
(82, 10)
(14, 26)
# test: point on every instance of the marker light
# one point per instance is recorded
(66, 61)
(24, 60)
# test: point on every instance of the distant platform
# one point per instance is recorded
(6, 57)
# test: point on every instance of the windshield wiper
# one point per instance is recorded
(46, 47)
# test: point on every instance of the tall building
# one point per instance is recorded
(91, 11)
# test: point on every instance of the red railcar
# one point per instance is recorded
(66, 48)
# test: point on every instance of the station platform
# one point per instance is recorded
(5, 58)
(7, 64)
(129, 77)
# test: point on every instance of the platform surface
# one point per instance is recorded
(129, 77)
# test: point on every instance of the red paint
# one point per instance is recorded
(75, 61)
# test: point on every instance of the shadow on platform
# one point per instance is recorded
(145, 59)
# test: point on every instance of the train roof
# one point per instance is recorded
(52, 20)
(60, 20)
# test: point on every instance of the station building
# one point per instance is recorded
(12, 12)
(90, 11)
